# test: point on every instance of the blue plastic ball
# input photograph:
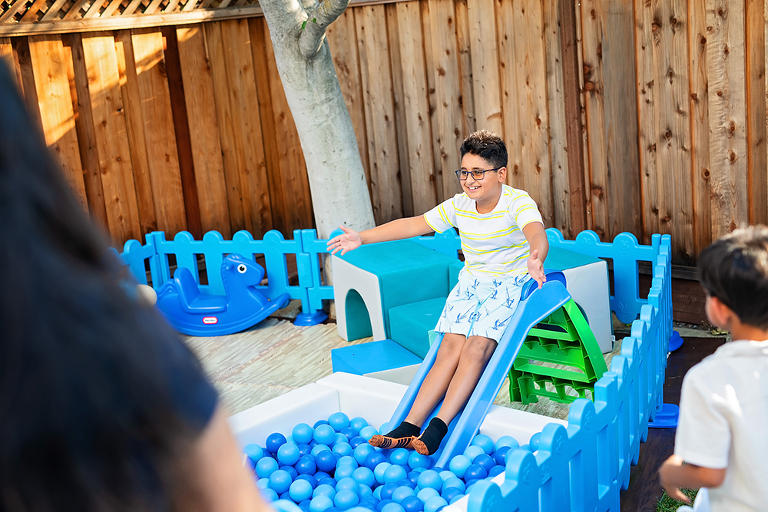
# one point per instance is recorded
(303, 505)
(484, 442)
(452, 492)
(325, 460)
(338, 421)
(445, 475)
(382, 504)
(506, 441)
(374, 458)
(379, 470)
(348, 432)
(496, 470)
(459, 464)
(300, 490)
(320, 503)
(342, 449)
(501, 455)
(319, 448)
(473, 451)
(363, 491)
(340, 438)
(269, 495)
(534, 442)
(262, 483)
(377, 492)
(324, 434)
(280, 481)
(387, 490)
(320, 422)
(304, 449)
(324, 490)
(266, 466)
(288, 454)
(368, 432)
(309, 478)
(361, 452)
(432, 504)
(413, 477)
(357, 441)
(431, 479)
(451, 483)
(325, 480)
(286, 496)
(369, 502)
(426, 493)
(485, 461)
(358, 423)
(345, 499)
(525, 447)
(254, 452)
(306, 465)
(475, 472)
(392, 507)
(291, 471)
(399, 456)
(364, 476)
(343, 471)
(407, 483)
(401, 493)
(394, 473)
(412, 504)
(417, 460)
(275, 441)
(347, 484)
(302, 433)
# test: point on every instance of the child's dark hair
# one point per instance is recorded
(487, 146)
(735, 270)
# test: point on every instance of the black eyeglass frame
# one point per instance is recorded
(474, 173)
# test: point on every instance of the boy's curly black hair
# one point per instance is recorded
(735, 270)
(487, 146)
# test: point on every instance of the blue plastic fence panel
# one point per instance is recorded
(447, 242)
(519, 492)
(313, 248)
(134, 255)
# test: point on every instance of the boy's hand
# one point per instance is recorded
(668, 472)
(348, 241)
(536, 268)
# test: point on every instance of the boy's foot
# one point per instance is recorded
(428, 442)
(400, 437)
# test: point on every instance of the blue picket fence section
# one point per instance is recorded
(585, 466)
(305, 247)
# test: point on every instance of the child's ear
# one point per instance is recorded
(720, 314)
(502, 174)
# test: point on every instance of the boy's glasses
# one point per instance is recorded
(477, 175)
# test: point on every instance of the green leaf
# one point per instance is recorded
(314, 20)
(303, 25)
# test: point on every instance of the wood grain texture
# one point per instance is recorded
(428, 34)
(49, 66)
(511, 106)
(112, 149)
(416, 107)
(134, 124)
(204, 130)
(162, 154)
(387, 196)
(485, 65)
(727, 123)
(11, 59)
(463, 46)
(757, 158)
(699, 108)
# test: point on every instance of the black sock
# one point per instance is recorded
(405, 429)
(432, 436)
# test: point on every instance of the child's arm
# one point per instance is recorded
(395, 230)
(673, 474)
(537, 239)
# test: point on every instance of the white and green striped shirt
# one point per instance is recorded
(493, 243)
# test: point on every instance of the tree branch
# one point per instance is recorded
(318, 20)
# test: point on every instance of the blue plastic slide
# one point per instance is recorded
(535, 305)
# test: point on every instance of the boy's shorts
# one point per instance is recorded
(480, 308)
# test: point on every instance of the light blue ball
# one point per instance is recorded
(394, 473)
(459, 464)
(454, 482)
(368, 432)
(484, 442)
(361, 452)
(456, 498)
(384, 428)
(340, 438)
(473, 451)
(364, 476)
(430, 479)
(358, 423)
(320, 504)
(347, 484)
(342, 448)
(425, 494)
(302, 433)
(280, 481)
(392, 507)
(300, 490)
(377, 492)
(364, 491)
(324, 490)
(347, 460)
(338, 421)
(324, 434)
(534, 442)
(319, 448)
(417, 460)
(288, 454)
(399, 456)
(254, 452)
(401, 493)
(346, 499)
(344, 471)
(262, 483)
(507, 441)
(269, 495)
(432, 504)
(445, 475)
(378, 471)
(266, 466)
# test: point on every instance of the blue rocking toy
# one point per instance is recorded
(197, 313)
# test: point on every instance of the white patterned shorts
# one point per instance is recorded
(481, 308)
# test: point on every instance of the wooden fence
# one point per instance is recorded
(645, 116)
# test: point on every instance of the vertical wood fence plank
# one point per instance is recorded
(161, 140)
(401, 131)
(21, 47)
(427, 31)
(506, 25)
(227, 132)
(558, 154)
(293, 171)
(463, 46)
(757, 160)
(416, 106)
(624, 210)
(9, 56)
(379, 113)
(646, 96)
(343, 42)
(112, 148)
(446, 69)
(592, 26)
(673, 137)
(203, 130)
(134, 124)
(485, 65)
(86, 134)
(49, 65)
(728, 140)
(699, 105)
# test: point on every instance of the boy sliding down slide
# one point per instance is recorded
(504, 245)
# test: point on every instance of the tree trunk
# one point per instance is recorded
(336, 176)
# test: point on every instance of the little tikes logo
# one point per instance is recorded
(210, 320)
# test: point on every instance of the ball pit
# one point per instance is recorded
(330, 467)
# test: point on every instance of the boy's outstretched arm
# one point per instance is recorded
(395, 230)
(537, 239)
(674, 474)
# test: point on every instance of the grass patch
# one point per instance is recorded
(667, 504)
